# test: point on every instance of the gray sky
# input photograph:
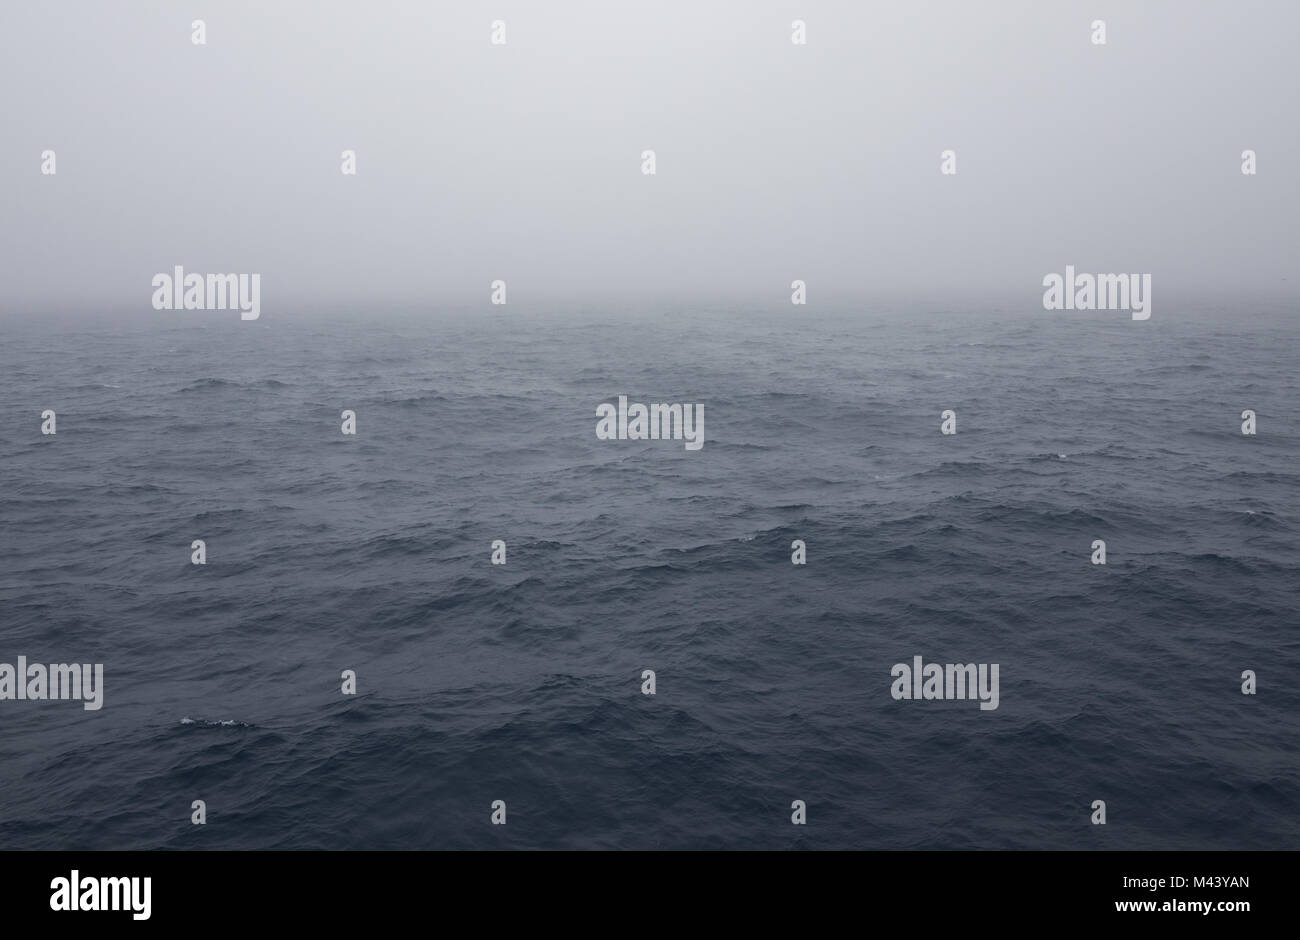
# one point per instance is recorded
(522, 161)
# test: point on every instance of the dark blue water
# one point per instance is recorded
(523, 682)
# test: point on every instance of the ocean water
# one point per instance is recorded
(523, 682)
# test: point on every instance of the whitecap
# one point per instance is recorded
(205, 723)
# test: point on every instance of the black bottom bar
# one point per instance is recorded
(925, 890)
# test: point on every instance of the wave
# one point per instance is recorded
(225, 723)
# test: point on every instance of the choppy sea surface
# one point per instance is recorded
(523, 682)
